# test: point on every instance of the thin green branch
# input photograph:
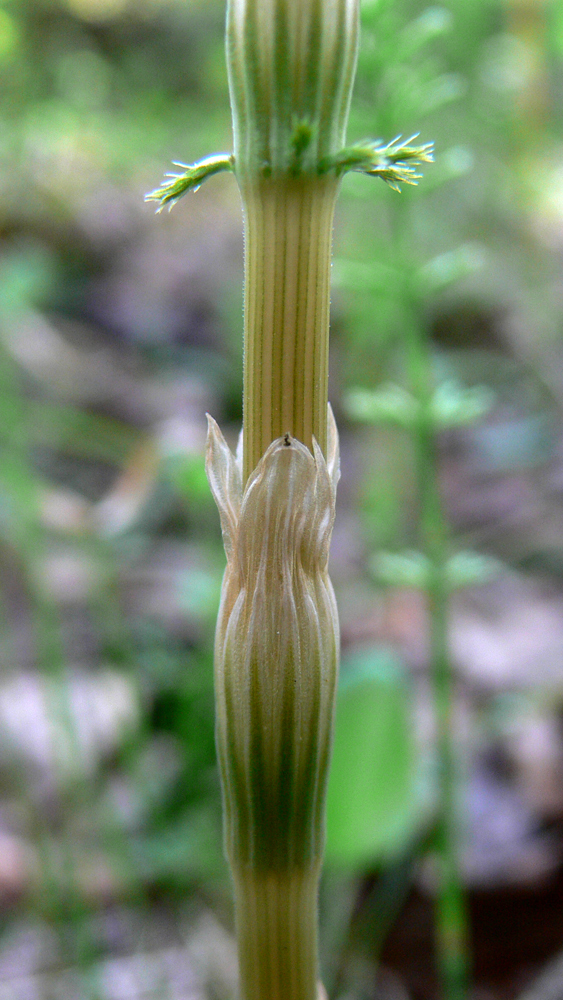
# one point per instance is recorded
(395, 162)
(451, 914)
(175, 185)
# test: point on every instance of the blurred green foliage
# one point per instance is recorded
(373, 803)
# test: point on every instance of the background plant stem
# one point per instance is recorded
(451, 919)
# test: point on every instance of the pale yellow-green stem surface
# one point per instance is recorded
(276, 667)
(277, 933)
(291, 66)
(288, 237)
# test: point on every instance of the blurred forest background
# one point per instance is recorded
(119, 329)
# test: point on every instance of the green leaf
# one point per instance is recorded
(451, 405)
(414, 569)
(187, 474)
(375, 278)
(391, 404)
(556, 26)
(454, 406)
(402, 569)
(372, 806)
(447, 268)
(432, 23)
(469, 569)
(200, 593)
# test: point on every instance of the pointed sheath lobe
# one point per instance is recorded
(276, 651)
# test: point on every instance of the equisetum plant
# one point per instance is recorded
(423, 405)
(291, 66)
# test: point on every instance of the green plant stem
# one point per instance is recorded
(451, 920)
(288, 241)
(277, 933)
(451, 911)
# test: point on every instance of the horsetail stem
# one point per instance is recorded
(288, 226)
(291, 66)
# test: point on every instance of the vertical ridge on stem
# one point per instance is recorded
(288, 227)
(291, 64)
(276, 927)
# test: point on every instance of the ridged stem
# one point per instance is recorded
(288, 241)
(277, 937)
